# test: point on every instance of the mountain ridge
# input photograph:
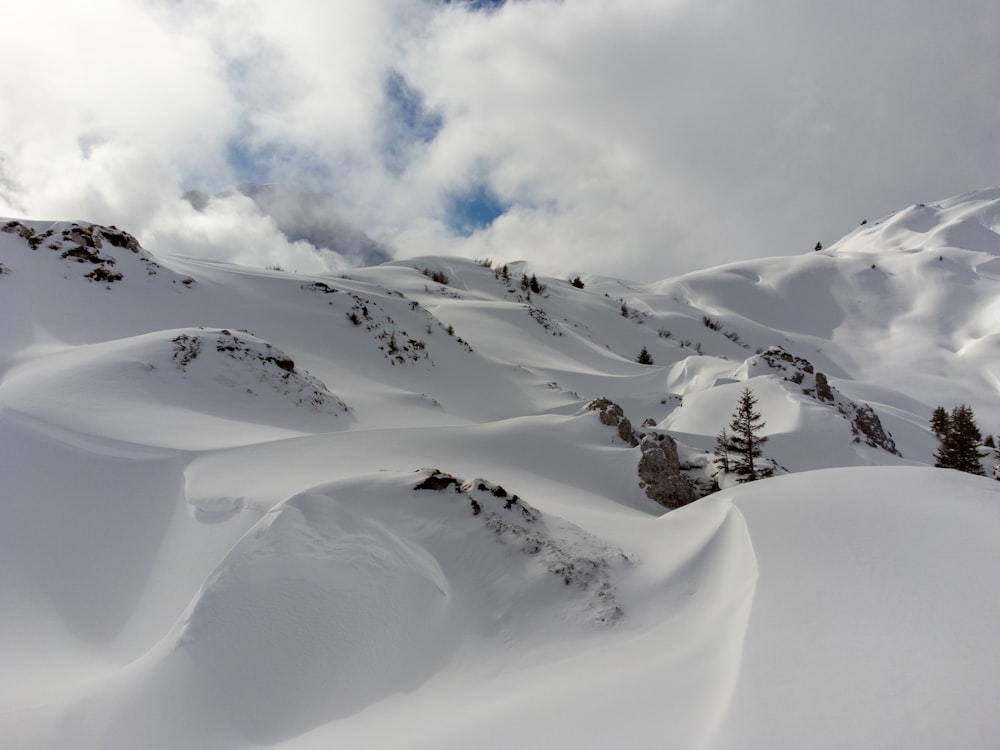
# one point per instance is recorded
(220, 503)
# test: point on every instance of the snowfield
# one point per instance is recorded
(247, 508)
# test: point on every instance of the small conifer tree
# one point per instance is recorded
(745, 442)
(722, 446)
(644, 357)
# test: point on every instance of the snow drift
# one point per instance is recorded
(222, 527)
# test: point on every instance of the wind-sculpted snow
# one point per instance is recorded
(216, 531)
(320, 609)
(577, 558)
(188, 388)
(869, 624)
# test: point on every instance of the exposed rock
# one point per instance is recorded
(778, 359)
(864, 422)
(660, 472)
(267, 365)
(612, 415)
(103, 274)
(437, 481)
(578, 558)
(92, 244)
(659, 465)
(823, 390)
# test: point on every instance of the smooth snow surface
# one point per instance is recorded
(213, 534)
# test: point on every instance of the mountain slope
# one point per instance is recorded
(382, 510)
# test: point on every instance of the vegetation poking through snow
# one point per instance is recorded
(259, 362)
(541, 317)
(396, 343)
(439, 277)
(319, 286)
(87, 244)
(864, 423)
(578, 558)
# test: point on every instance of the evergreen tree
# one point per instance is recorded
(577, 282)
(644, 358)
(745, 441)
(940, 422)
(722, 448)
(959, 446)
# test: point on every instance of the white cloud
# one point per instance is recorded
(232, 229)
(639, 139)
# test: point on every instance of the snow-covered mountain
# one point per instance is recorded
(421, 505)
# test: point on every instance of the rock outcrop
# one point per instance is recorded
(659, 466)
(660, 472)
(612, 415)
(865, 425)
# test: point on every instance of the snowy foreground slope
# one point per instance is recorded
(250, 508)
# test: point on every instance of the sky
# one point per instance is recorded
(633, 138)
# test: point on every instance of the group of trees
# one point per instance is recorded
(959, 439)
(738, 448)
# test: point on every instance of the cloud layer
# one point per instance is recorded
(637, 139)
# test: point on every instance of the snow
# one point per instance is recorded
(213, 534)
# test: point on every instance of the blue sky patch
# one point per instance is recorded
(406, 122)
(249, 164)
(270, 162)
(473, 209)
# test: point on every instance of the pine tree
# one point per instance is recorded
(959, 446)
(722, 447)
(940, 422)
(745, 441)
(644, 357)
